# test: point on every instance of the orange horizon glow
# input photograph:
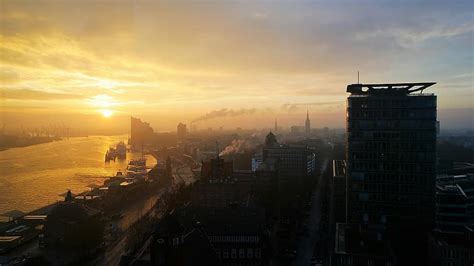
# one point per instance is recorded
(177, 62)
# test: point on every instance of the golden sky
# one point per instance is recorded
(177, 60)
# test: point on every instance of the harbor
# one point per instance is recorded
(33, 177)
(119, 201)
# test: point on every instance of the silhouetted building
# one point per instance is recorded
(216, 168)
(339, 190)
(391, 153)
(181, 131)
(175, 244)
(361, 245)
(391, 162)
(294, 161)
(220, 186)
(233, 236)
(451, 249)
(141, 133)
(71, 225)
(465, 186)
(451, 208)
(307, 124)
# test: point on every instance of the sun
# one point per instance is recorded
(107, 113)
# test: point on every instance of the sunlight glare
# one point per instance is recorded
(107, 113)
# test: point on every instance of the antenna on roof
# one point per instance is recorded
(358, 82)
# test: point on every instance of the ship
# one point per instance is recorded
(136, 169)
(121, 150)
(110, 154)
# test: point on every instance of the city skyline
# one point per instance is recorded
(169, 63)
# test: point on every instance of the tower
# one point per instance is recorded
(276, 126)
(391, 161)
(307, 123)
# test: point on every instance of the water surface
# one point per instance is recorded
(34, 176)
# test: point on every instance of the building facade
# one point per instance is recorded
(391, 153)
(294, 161)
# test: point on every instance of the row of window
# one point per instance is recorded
(391, 177)
(234, 239)
(393, 156)
(385, 145)
(392, 102)
(393, 166)
(393, 114)
(388, 188)
(248, 253)
(401, 136)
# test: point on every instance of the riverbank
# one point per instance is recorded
(10, 141)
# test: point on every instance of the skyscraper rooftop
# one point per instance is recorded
(388, 88)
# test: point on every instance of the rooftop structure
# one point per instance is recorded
(389, 88)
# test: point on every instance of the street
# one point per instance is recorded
(309, 241)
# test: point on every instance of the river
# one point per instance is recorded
(34, 176)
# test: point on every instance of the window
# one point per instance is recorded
(233, 253)
(249, 253)
(225, 253)
(257, 253)
(241, 253)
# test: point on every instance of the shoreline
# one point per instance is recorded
(31, 144)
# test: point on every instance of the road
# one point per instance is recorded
(308, 242)
(132, 214)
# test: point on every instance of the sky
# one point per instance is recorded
(96, 63)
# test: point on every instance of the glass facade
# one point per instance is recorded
(391, 157)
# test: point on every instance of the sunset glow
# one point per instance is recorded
(107, 113)
(278, 58)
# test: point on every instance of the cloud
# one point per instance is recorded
(28, 94)
(160, 56)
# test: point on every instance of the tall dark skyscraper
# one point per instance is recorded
(307, 124)
(391, 154)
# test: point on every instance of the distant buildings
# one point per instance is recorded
(307, 124)
(294, 161)
(181, 131)
(297, 129)
(141, 133)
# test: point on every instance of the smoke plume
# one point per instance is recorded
(225, 113)
(236, 146)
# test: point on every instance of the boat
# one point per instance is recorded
(136, 169)
(121, 150)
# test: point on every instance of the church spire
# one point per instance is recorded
(307, 123)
